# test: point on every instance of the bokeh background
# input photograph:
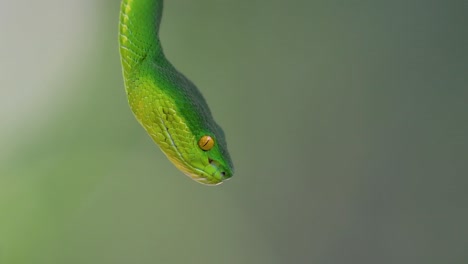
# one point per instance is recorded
(347, 122)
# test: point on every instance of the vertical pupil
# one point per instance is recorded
(206, 143)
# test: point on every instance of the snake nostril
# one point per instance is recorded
(223, 173)
(210, 161)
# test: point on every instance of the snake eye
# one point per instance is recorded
(206, 143)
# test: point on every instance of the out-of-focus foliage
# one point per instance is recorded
(346, 121)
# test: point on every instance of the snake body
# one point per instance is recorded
(167, 104)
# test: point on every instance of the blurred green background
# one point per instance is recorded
(347, 122)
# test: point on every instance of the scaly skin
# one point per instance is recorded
(165, 102)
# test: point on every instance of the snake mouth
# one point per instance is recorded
(212, 174)
(209, 175)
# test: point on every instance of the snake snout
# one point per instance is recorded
(220, 171)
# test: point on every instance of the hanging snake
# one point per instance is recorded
(168, 105)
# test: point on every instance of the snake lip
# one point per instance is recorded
(218, 170)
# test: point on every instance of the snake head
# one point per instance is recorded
(176, 116)
(205, 161)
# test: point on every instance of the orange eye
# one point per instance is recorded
(206, 143)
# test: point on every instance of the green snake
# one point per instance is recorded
(167, 104)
